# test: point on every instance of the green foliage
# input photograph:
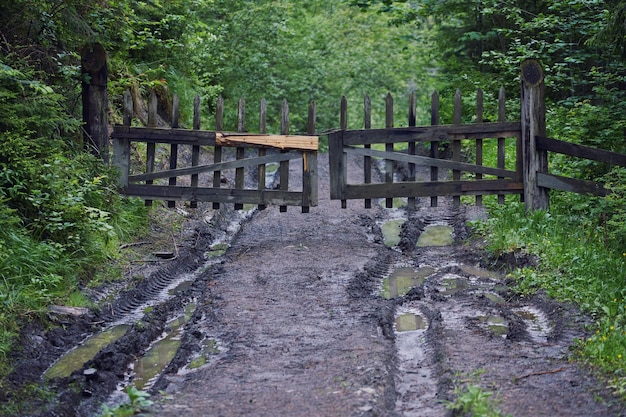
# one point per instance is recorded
(61, 218)
(482, 43)
(473, 401)
(317, 50)
(138, 401)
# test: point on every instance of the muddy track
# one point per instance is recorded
(311, 315)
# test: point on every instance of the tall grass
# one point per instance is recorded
(61, 223)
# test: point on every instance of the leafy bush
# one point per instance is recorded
(61, 218)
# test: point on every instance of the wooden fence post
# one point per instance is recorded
(457, 118)
(217, 150)
(262, 172)
(412, 150)
(309, 165)
(151, 146)
(95, 101)
(533, 124)
(121, 147)
(342, 158)
(479, 142)
(174, 146)
(284, 165)
(434, 145)
(240, 151)
(502, 141)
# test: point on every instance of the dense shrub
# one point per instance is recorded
(61, 219)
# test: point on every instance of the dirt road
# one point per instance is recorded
(298, 338)
(304, 331)
(313, 315)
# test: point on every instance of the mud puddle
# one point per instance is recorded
(454, 318)
(146, 369)
(75, 359)
(436, 235)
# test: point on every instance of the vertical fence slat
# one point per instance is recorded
(479, 142)
(240, 151)
(501, 141)
(434, 145)
(217, 150)
(337, 157)
(284, 165)
(342, 165)
(261, 171)
(456, 144)
(174, 146)
(389, 146)
(412, 149)
(367, 161)
(121, 147)
(195, 150)
(309, 165)
(151, 147)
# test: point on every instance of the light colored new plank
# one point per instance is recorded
(306, 143)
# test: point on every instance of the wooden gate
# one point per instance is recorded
(248, 152)
(436, 147)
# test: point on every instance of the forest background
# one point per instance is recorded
(62, 221)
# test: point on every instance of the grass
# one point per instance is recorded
(579, 263)
(472, 400)
(35, 274)
(138, 401)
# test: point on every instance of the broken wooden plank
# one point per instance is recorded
(294, 142)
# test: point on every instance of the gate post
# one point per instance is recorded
(533, 124)
(95, 102)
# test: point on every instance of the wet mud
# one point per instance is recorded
(338, 312)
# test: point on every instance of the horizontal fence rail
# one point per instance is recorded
(558, 182)
(217, 153)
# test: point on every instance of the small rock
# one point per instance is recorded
(90, 373)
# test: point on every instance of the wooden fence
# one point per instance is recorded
(450, 173)
(428, 140)
(251, 151)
